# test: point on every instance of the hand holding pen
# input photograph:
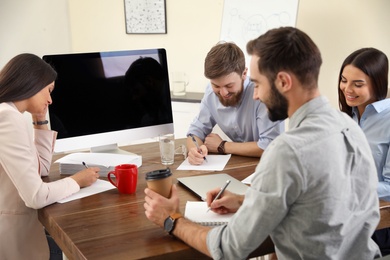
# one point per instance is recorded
(85, 165)
(197, 146)
(86, 177)
(220, 193)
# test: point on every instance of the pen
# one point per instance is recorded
(197, 146)
(220, 193)
(85, 165)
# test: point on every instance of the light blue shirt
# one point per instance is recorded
(246, 122)
(375, 123)
(313, 192)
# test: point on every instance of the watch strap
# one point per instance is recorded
(45, 122)
(221, 147)
(174, 217)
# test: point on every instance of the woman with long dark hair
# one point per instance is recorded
(26, 82)
(363, 85)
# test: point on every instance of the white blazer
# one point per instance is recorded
(23, 161)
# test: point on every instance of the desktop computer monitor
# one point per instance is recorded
(103, 100)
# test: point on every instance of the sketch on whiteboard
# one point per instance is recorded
(244, 20)
(145, 16)
(255, 25)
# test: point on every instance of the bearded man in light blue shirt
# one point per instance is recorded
(228, 102)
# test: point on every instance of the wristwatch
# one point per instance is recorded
(45, 122)
(169, 223)
(221, 147)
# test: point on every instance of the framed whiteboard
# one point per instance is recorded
(244, 20)
(145, 16)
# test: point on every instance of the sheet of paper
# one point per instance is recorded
(104, 159)
(248, 180)
(197, 211)
(215, 162)
(97, 187)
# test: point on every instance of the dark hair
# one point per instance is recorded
(223, 59)
(24, 76)
(289, 49)
(375, 65)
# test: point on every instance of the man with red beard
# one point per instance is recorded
(228, 102)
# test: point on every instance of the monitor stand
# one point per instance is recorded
(110, 148)
(114, 149)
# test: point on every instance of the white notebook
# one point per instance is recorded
(196, 211)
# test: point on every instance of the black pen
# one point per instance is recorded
(85, 165)
(219, 193)
(197, 146)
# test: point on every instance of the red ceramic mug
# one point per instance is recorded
(126, 176)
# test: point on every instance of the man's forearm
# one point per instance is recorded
(244, 149)
(192, 234)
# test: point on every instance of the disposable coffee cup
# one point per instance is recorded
(160, 181)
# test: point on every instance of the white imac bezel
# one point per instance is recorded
(109, 142)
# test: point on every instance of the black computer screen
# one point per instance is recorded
(109, 91)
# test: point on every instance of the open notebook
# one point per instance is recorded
(196, 211)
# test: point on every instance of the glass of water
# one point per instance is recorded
(167, 148)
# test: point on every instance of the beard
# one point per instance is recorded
(277, 105)
(234, 100)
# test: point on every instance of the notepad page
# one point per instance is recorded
(215, 162)
(196, 211)
(97, 187)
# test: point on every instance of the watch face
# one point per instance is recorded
(168, 224)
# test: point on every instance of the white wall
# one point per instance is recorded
(192, 26)
(341, 27)
(338, 28)
(44, 26)
(39, 27)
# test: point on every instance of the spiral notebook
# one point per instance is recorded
(196, 211)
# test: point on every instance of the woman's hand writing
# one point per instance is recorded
(86, 177)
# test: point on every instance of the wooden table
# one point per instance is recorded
(111, 225)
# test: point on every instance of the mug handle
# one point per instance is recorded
(109, 178)
(186, 80)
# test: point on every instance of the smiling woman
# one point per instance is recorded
(363, 86)
(362, 80)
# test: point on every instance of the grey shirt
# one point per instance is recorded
(314, 193)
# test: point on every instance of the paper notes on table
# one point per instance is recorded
(215, 162)
(196, 211)
(72, 163)
(97, 187)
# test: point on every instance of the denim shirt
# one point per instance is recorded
(375, 123)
